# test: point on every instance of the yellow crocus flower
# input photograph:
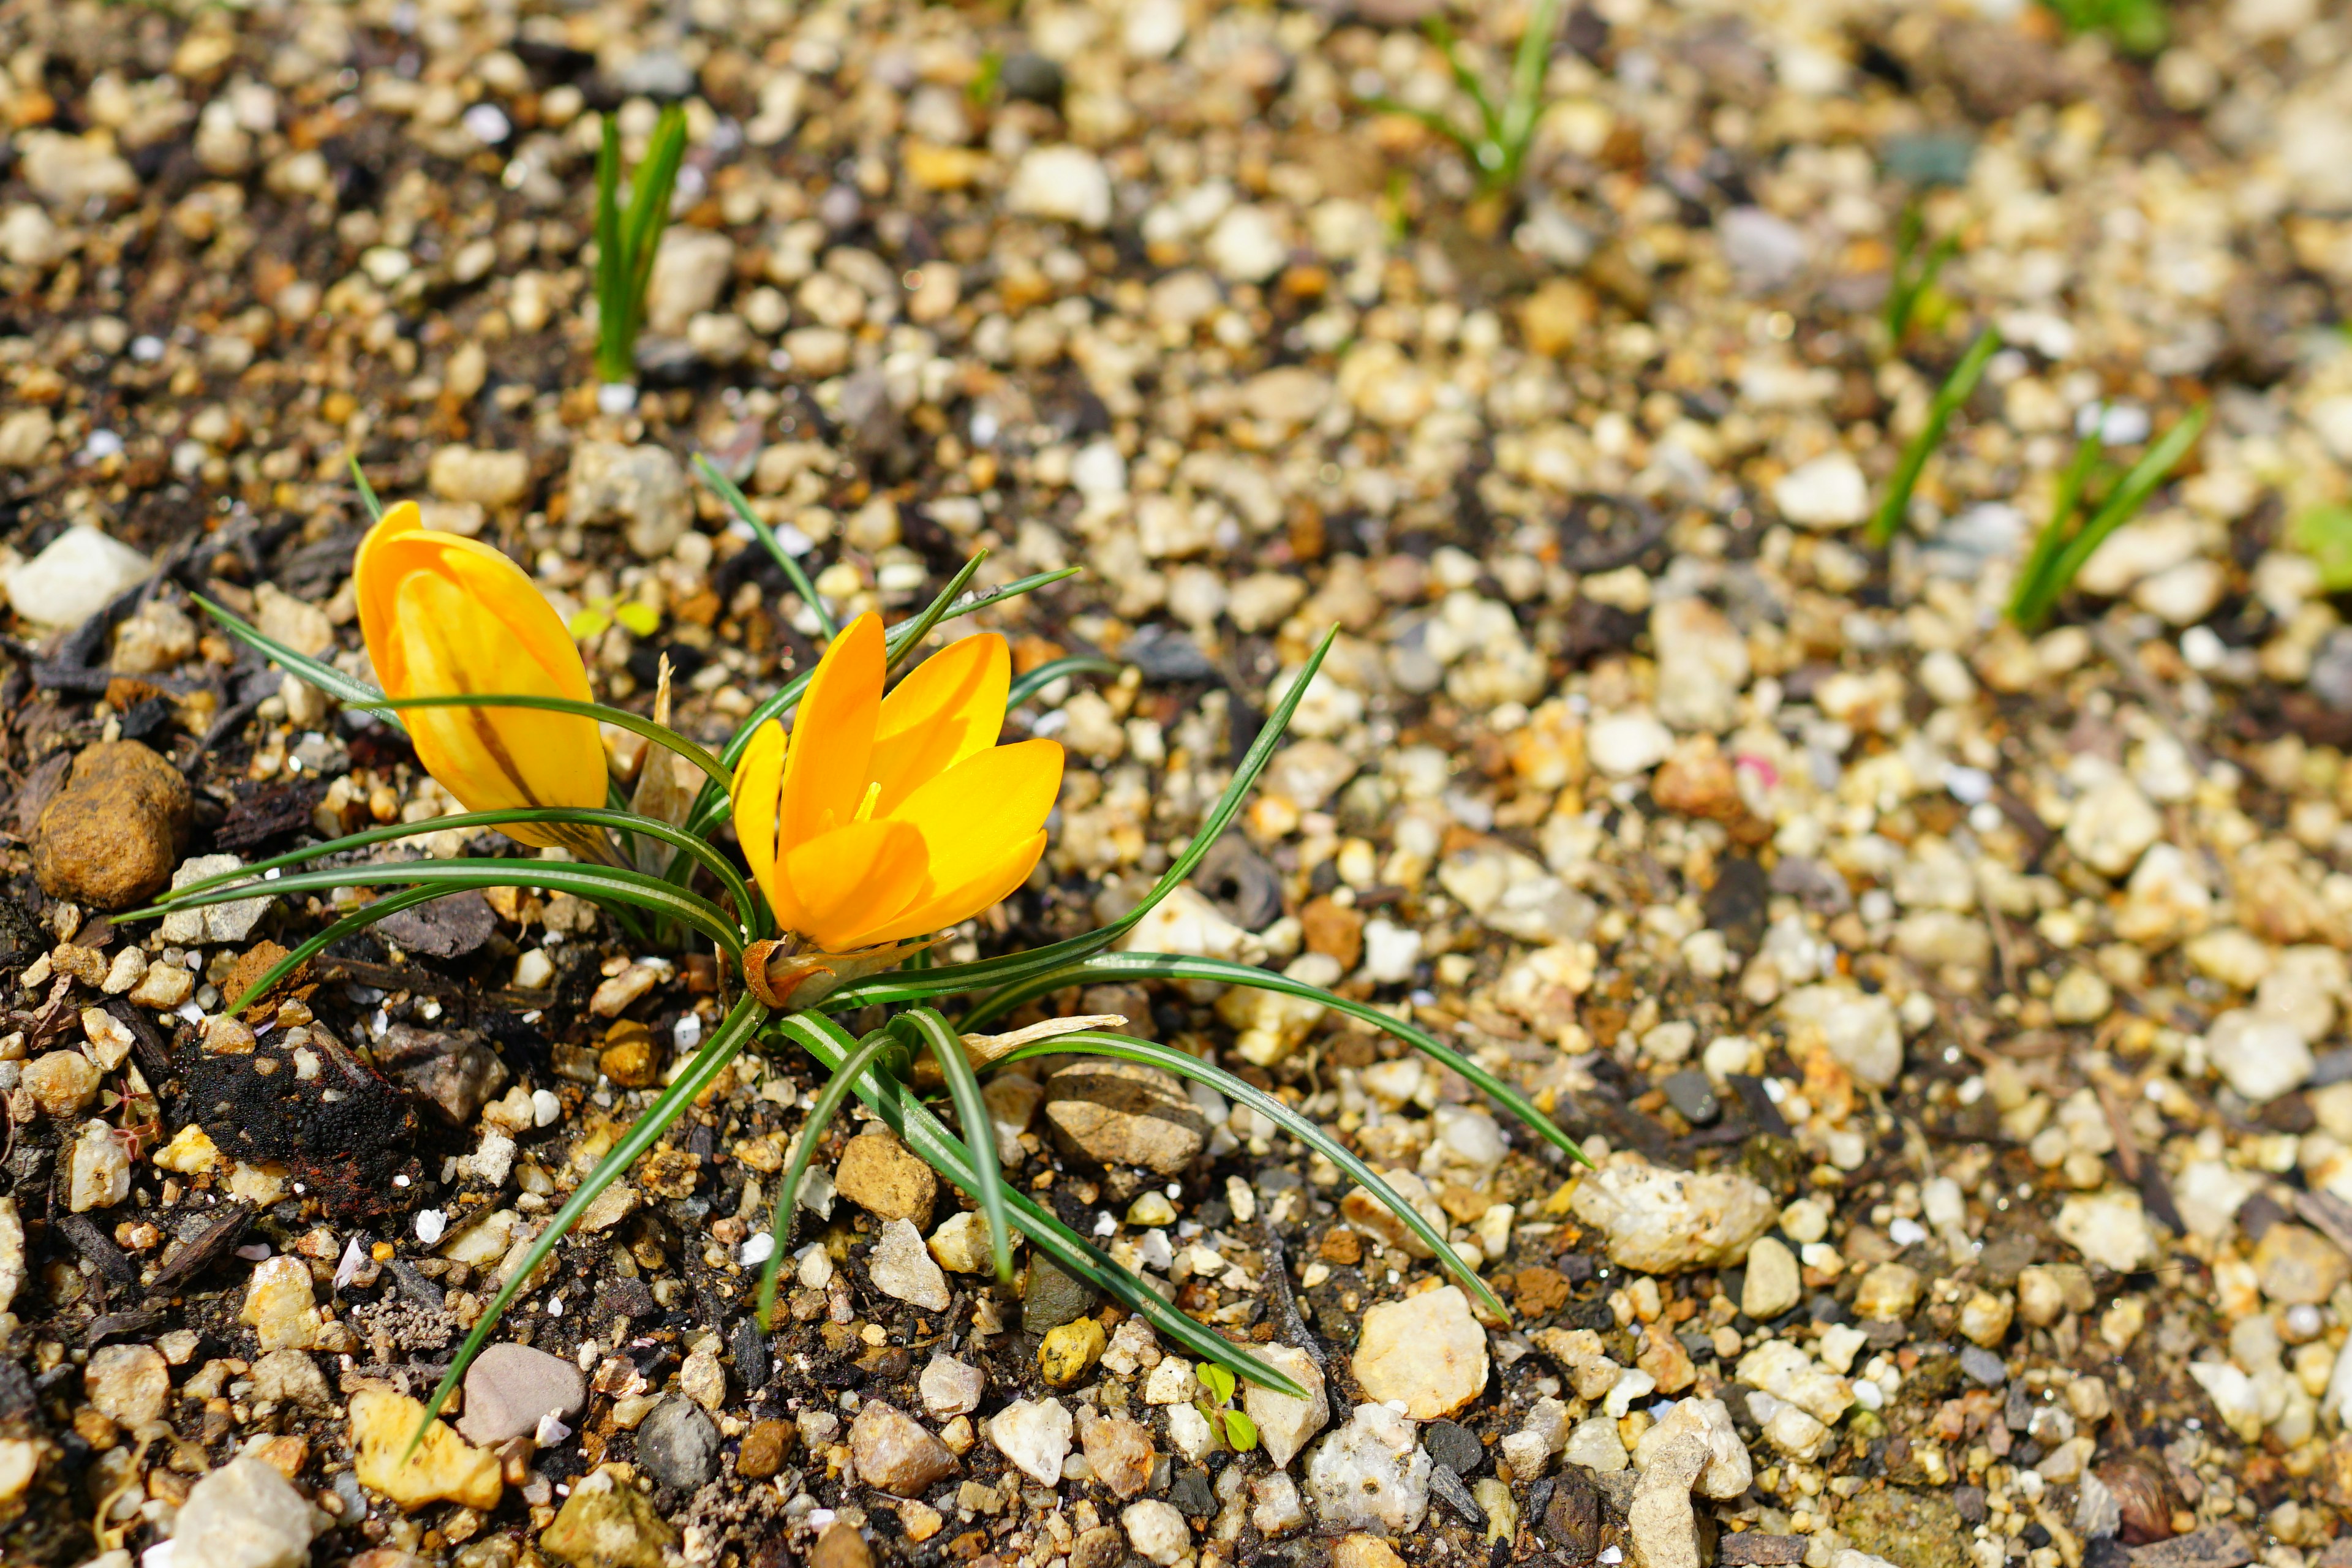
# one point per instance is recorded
(445, 616)
(884, 817)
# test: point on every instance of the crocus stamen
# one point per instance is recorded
(866, 806)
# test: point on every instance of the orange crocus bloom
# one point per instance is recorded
(884, 817)
(445, 616)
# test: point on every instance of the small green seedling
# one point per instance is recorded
(2324, 533)
(1498, 148)
(2066, 542)
(626, 241)
(1916, 272)
(2137, 28)
(1958, 388)
(598, 615)
(981, 91)
(1241, 1432)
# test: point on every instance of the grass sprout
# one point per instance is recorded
(627, 240)
(2067, 541)
(1958, 388)
(795, 995)
(1915, 271)
(1497, 148)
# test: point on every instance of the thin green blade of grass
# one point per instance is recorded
(1958, 388)
(2059, 526)
(595, 883)
(1520, 113)
(367, 493)
(961, 978)
(744, 1021)
(925, 1027)
(741, 505)
(619, 820)
(915, 631)
(828, 1100)
(611, 311)
(1115, 966)
(325, 676)
(1052, 670)
(351, 924)
(2139, 483)
(649, 202)
(903, 1111)
(619, 718)
(1123, 1047)
(1911, 285)
(1441, 33)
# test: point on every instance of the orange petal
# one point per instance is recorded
(968, 814)
(951, 707)
(758, 791)
(991, 887)
(852, 879)
(833, 735)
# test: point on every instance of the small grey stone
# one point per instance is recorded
(679, 1444)
(443, 928)
(1049, 1298)
(456, 1072)
(1191, 1494)
(1164, 655)
(2331, 670)
(1447, 1488)
(1690, 1093)
(654, 73)
(1030, 78)
(1453, 1447)
(510, 1386)
(1765, 250)
(1929, 158)
(1984, 1366)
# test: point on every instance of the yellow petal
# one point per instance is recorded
(970, 814)
(758, 791)
(992, 886)
(849, 880)
(951, 707)
(453, 616)
(371, 588)
(833, 735)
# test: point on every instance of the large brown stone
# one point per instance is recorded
(114, 833)
(1120, 1113)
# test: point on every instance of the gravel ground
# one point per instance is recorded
(1952, 1017)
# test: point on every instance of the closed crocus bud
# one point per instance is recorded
(884, 817)
(445, 616)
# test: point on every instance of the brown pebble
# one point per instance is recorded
(1538, 1292)
(765, 1448)
(114, 833)
(629, 1057)
(841, 1547)
(1334, 930)
(1341, 1245)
